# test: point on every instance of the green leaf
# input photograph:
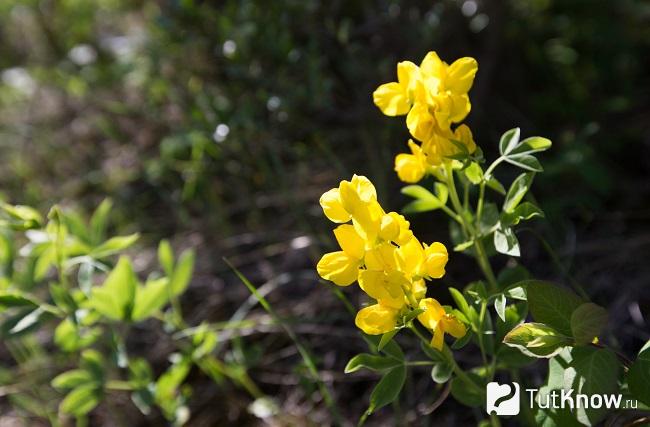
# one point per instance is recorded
(638, 376)
(434, 354)
(116, 296)
(182, 273)
(467, 394)
(99, 221)
(388, 388)
(72, 379)
(27, 321)
(526, 162)
(171, 380)
(489, 218)
(460, 300)
(150, 297)
(495, 185)
(441, 372)
(552, 304)
(81, 400)
(523, 212)
(517, 191)
(426, 201)
(114, 245)
(509, 141)
(534, 144)
(500, 306)
(587, 321)
(16, 299)
(71, 337)
(93, 362)
(21, 217)
(372, 362)
(462, 341)
(536, 340)
(166, 257)
(506, 242)
(593, 371)
(474, 173)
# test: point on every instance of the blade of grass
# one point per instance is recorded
(304, 353)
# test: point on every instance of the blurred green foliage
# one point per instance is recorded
(233, 117)
(178, 108)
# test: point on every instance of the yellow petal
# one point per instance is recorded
(392, 99)
(464, 134)
(410, 257)
(453, 326)
(389, 228)
(420, 122)
(407, 75)
(460, 75)
(411, 167)
(432, 65)
(438, 339)
(405, 233)
(364, 188)
(381, 257)
(339, 268)
(332, 207)
(350, 241)
(433, 312)
(367, 220)
(376, 319)
(435, 260)
(386, 288)
(419, 289)
(356, 193)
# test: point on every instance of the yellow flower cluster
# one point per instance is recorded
(434, 97)
(380, 252)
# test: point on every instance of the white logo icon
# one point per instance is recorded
(502, 399)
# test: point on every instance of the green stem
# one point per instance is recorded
(484, 263)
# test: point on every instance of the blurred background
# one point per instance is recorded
(218, 124)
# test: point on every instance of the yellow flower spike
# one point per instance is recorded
(350, 241)
(376, 319)
(339, 268)
(394, 99)
(330, 201)
(384, 287)
(381, 257)
(411, 168)
(439, 322)
(389, 229)
(435, 260)
(405, 233)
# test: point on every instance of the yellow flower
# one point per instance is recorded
(342, 267)
(439, 322)
(330, 201)
(456, 78)
(435, 260)
(405, 233)
(394, 99)
(386, 288)
(381, 257)
(439, 147)
(411, 167)
(376, 319)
